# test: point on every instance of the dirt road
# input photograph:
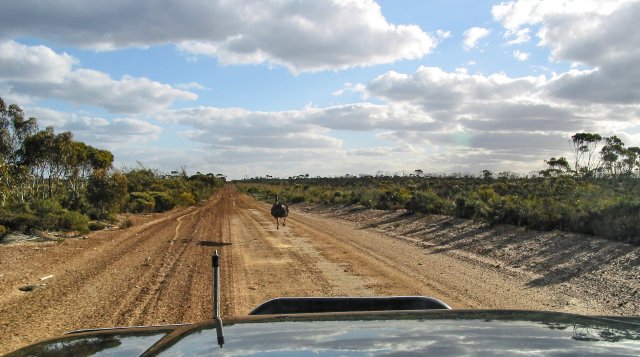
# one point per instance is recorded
(158, 271)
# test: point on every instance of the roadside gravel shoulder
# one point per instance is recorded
(597, 276)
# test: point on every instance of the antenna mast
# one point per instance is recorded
(215, 262)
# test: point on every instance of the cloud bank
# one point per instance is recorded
(302, 36)
(39, 72)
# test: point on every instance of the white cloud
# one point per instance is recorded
(441, 92)
(118, 131)
(49, 117)
(585, 31)
(520, 56)
(370, 151)
(515, 144)
(191, 86)
(39, 72)
(597, 34)
(473, 35)
(226, 125)
(606, 85)
(301, 138)
(443, 34)
(221, 123)
(100, 132)
(515, 14)
(350, 88)
(593, 38)
(370, 117)
(23, 63)
(126, 95)
(519, 36)
(302, 36)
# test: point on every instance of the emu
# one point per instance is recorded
(279, 210)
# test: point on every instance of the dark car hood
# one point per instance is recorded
(442, 333)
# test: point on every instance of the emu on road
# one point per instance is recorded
(279, 210)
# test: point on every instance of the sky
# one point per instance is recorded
(291, 87)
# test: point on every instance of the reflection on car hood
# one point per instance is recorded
(443, 333)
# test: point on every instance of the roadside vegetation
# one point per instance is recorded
(49, 181)
(597, 193)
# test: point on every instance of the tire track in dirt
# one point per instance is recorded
(142, 266)
(186, 293)
(76, 297)
(124, 241)
(138, 304)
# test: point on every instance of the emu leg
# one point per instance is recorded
(277, 223)
(284, 220)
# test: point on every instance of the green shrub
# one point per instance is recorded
(427, 202)
(164, 202)
(140, 202)
(127, 223)
(403, 195)
(3, 230)
(185, 199)
(21, 222)
(466, 206)
(74, 201)
(387, 200)
(45, 207)
(141, 206)
(112, 218)
(619, 221)
(545, 214)
(487, 194)
(97, 226)
(509, 210)
(72, 221)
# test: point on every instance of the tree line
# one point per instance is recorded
(48, 180)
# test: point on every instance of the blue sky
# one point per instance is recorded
(253, 88)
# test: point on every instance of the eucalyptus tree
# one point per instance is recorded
(107, 191)
(585, 150)
(49, 156)
(556, 167)
(611, 152)
(100, 159)
(87, 159)
(631, 160)
(14, 128)
(38, 149)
